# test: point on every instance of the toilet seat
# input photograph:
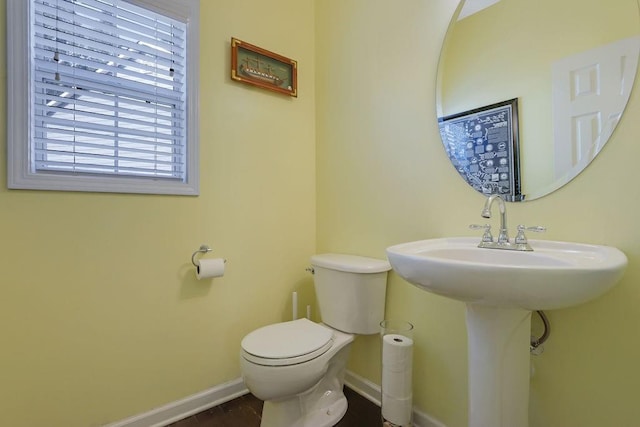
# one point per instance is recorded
(287, 343)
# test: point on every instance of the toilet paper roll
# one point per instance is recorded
(397, 384)
(397, 367)
(397, 411)
(397, 351)
(207, 268)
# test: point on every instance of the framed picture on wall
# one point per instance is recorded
(483, 145)
(259, 67)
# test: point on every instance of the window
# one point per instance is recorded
(102, 95)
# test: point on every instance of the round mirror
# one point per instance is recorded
(528, 92)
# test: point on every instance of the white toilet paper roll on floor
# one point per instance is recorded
(207, 268)
(397, 384)
(398, 411)
(397, 351)
(397, 367)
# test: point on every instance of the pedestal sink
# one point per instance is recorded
(501, 288)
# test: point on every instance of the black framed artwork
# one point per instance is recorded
(483, 146)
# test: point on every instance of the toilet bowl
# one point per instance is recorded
(299, 373)
(297, 367)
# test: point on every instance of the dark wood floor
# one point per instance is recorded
(245, 412)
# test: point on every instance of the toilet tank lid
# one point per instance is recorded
(350, 263)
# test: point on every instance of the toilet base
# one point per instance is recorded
(290, 412)
(323, 405)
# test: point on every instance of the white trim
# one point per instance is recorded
(372, 392)
(363, 387)
(191, 405)
(186, 407)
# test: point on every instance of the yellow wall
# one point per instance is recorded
(383, 178)
(101, 317)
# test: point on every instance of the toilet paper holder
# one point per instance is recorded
(203, 249)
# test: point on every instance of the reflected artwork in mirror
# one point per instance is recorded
(571, 66)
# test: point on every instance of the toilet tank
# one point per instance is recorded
(351, 291)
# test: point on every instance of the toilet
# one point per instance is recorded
(297, 368)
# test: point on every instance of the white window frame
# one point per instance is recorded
(19, 112)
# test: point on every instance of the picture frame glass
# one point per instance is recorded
(483, 146)
(259, 67)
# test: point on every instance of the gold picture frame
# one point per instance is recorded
(259, 67)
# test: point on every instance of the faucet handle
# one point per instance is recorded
(521, 239)
(487, 237)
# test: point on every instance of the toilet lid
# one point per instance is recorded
(287, 343)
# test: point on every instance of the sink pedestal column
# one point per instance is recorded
(499, 340)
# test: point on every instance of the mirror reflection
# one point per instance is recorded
(569, 65)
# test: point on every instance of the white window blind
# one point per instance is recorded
(109, 90)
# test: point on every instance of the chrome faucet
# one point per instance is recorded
(503, 236)
(520, 243)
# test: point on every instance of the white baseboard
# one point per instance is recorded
(222, 393)
(372, 392)
(186, 407)
(363, 387)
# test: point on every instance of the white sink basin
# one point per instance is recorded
(554, 275)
